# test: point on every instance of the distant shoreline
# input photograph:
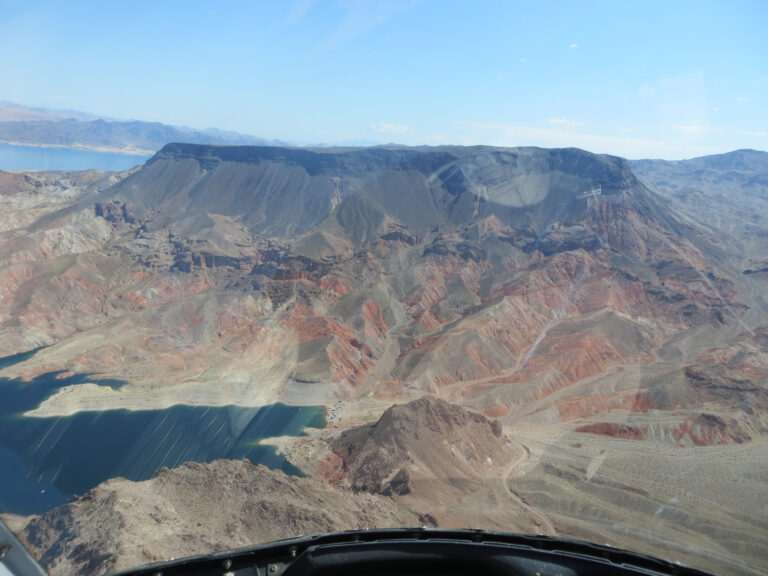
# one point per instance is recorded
(106, 149)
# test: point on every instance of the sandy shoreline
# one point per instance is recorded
(92, 397)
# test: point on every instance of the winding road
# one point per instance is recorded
(542, 519)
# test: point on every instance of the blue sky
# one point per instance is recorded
(670, 79)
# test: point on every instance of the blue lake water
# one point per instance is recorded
(35, 158)
(44, 461)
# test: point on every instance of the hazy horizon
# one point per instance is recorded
(650, 80)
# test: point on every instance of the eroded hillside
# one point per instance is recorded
(492, 276)
(603, 321)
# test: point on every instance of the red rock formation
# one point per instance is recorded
(623, 431)
(375, 325)
(708, 429)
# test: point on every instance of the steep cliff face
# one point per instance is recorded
(287, 193)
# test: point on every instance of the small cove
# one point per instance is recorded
(44, 461)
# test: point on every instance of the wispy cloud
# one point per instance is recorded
(523, 60)
(748, 133)
(363, 16)
(439, 138)
(556, 136)
(387, 128)
(693, 129)
(574, 45)
(742, 99)
(725, 131)
(299, 9)
(680, 107)
(565, 122)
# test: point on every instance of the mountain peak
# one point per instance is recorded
(419, 441)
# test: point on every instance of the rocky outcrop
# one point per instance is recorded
(423, 440)
(122, 524)
(709, 429)
(623, 431)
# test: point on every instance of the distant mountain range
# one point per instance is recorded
(27, 126)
